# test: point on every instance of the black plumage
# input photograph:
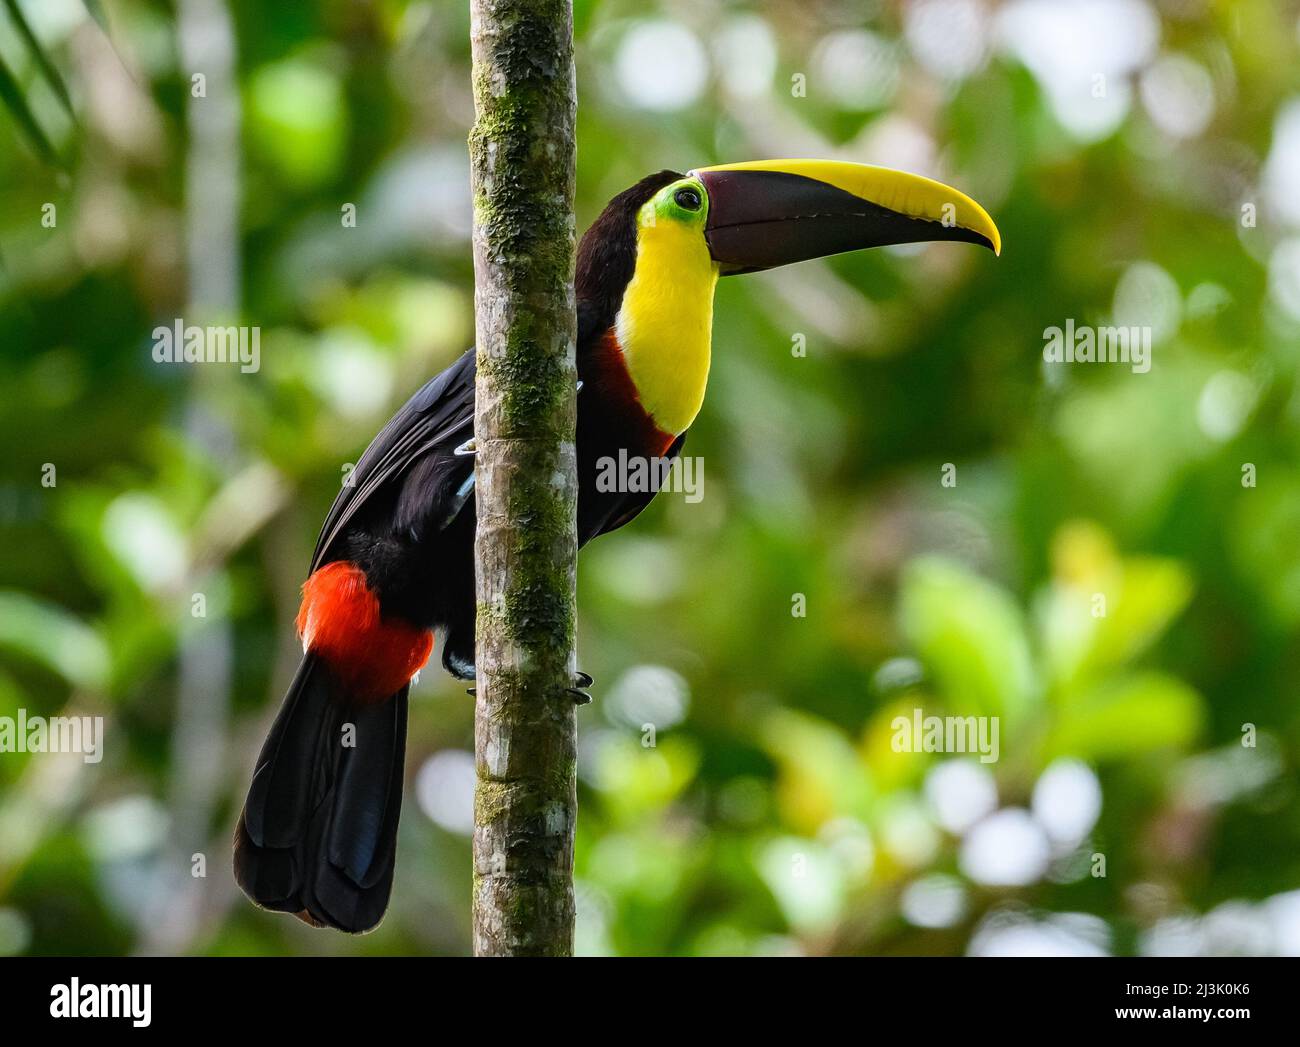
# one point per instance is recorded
(317, 836)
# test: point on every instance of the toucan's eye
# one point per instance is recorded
(688, 199)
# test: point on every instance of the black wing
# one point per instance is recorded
(440, 413)
(439, 416)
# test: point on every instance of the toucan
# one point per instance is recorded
(394, 563)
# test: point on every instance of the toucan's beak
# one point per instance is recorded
(772, 212)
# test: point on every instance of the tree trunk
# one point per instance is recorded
(525, 729)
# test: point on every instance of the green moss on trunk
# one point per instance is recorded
(522, 162)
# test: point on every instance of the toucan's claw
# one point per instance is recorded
(472, 691)
(580, 697)
(582, 679)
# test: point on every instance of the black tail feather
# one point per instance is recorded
(318, 833)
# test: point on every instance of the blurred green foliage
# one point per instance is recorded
(905, 507)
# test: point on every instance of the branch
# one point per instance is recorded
(522, 160)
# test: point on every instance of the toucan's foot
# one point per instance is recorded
(581, 681)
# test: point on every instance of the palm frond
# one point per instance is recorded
(11, 93)
(98, 13)
(47, 67)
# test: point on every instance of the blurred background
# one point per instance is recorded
(904, 506)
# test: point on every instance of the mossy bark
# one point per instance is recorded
(525, 735)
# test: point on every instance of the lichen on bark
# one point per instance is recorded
(522, 168)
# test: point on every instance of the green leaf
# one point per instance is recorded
(971, 636)
(297, 118)
(806, 880)
(1261, 538)
(42, 59)
(1128, 717)
(1085, 638)
(1154, 592)
(822, 775)
(97, 12)
(52, 636)
(638, 781)
(12, 96)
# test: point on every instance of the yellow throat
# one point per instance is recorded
(665, 324)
